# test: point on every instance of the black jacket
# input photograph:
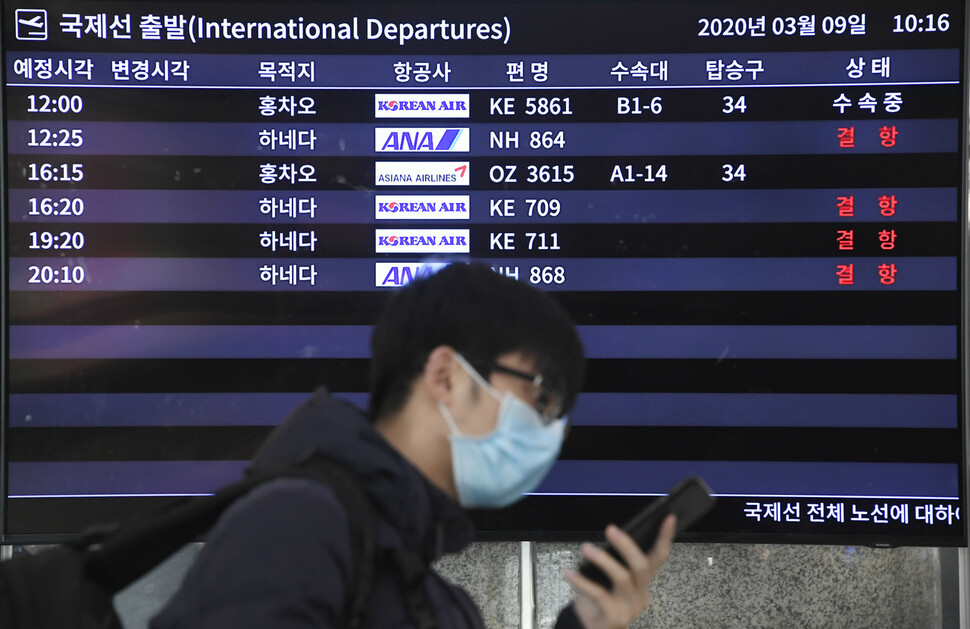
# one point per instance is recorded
(281, 556)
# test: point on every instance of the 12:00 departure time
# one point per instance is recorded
(63, 104)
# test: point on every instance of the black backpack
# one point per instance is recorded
(71, 586)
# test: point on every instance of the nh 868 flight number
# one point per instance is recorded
(539, 275)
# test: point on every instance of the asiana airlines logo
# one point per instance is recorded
(421, 173)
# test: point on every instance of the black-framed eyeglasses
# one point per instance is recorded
(547, 401)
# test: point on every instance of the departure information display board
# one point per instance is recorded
(754, 211)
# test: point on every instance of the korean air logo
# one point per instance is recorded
(421, 106)
(422, 140)
(395, 274)
(422, 241)
(413, 206)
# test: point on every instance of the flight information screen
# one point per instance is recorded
(754, 211)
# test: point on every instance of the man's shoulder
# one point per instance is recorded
(289, 508)
(322, 423)
(284, 546)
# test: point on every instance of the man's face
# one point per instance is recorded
(476, 410)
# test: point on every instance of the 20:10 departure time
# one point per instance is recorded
(67, 274)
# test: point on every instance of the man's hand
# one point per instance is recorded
(601, 608)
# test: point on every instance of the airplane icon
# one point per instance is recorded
(31, 24)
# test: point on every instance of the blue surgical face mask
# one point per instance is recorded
(495, 469)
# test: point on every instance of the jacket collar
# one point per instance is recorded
(429, 521)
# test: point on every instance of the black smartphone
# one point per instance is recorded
(688, 500)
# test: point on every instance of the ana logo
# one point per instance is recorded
(422, 206)
(422, 241)
(399, 274)
(425, 106)
(421, 140)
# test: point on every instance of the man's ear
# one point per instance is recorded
(438, 376)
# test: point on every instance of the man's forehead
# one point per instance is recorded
(518, 360)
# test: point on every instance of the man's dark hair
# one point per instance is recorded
(480, 314)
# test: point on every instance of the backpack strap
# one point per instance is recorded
(115, 559)
(412, 573)
(362, 523)
(362, 517)
(121, 556)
